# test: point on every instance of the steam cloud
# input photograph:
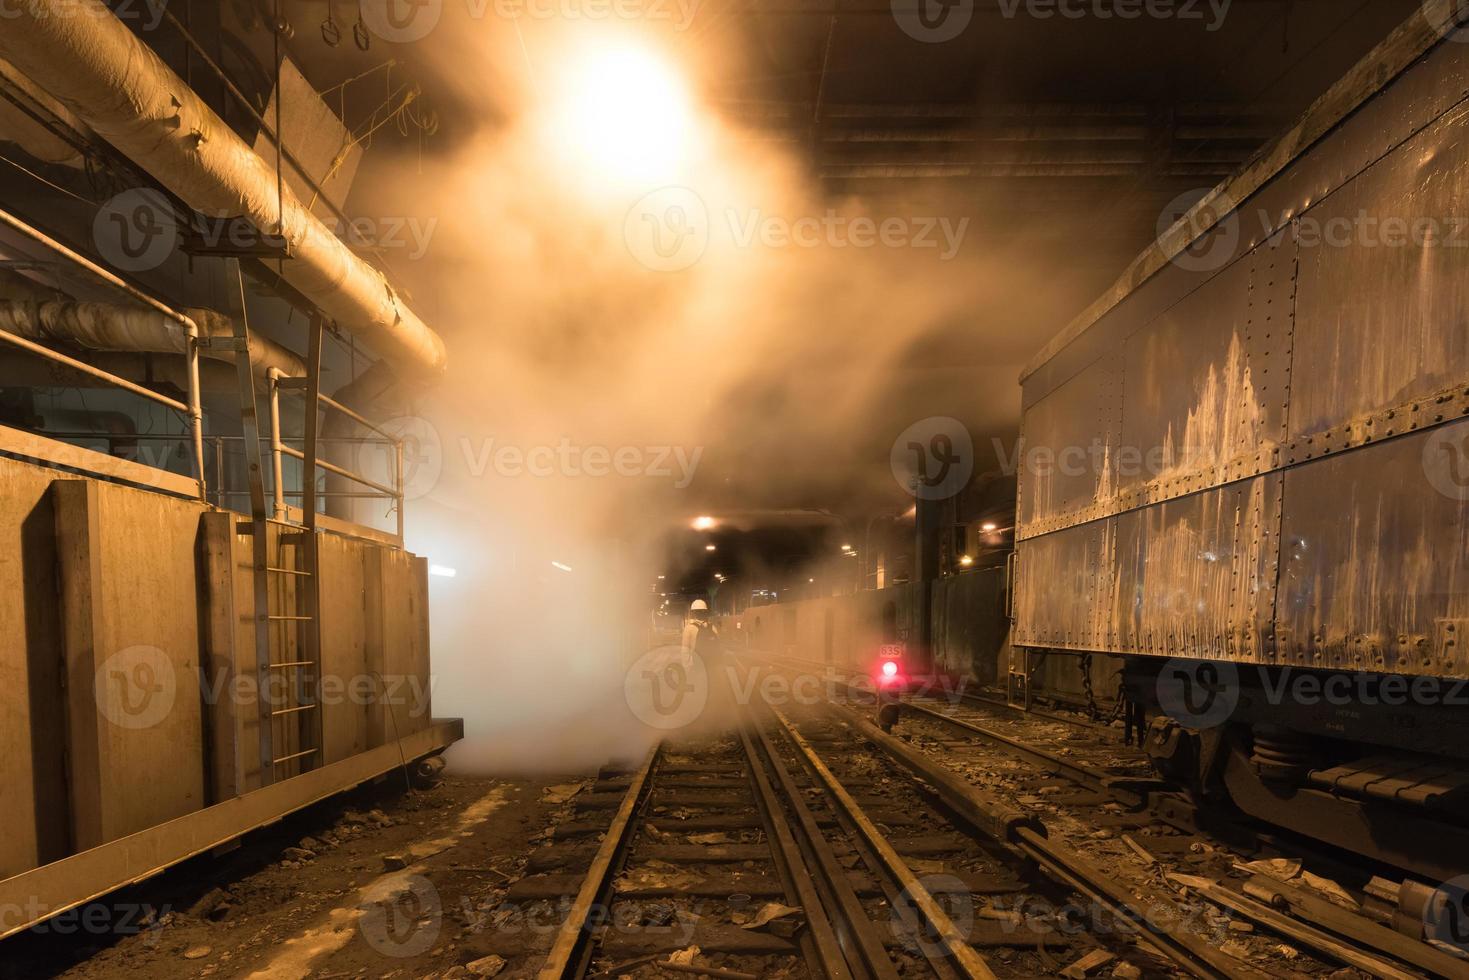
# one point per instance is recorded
(787, 369)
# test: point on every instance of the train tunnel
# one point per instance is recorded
(846, 490)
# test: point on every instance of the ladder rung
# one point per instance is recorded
(291, 711)
(286, 571)
(294, 663)
(290, 758)
(291, 619)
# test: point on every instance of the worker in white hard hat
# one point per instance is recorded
(696, 624)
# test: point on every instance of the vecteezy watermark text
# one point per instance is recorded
(138, 230)
(568, 459)
(937, 21)
(146, 14)
(670, 687)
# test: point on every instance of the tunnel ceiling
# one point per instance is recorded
(1063, 140)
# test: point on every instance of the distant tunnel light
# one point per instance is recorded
(560, 565)
(443, 571)
(704, 523)
(710, 547)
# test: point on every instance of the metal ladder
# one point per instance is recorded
(287, 638)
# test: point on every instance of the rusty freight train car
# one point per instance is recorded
(1246, 471)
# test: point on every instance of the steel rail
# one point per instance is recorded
(968, 962)
(981, 700)
(1086, 776)
(828, 947)
(868, 945)
(1061, 861)
(1090, 778)
(564, 960)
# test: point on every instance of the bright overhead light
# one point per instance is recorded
(620, 109)
(662, 577)
(966, 561)
(704, 523)
(810, 580)
(846, 547)
(710, 547)
(442, 571)
(989, 526)
(563, 567)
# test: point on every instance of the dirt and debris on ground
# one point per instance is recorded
(378, 883)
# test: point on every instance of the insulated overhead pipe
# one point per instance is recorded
(114, 83)
(110, 327)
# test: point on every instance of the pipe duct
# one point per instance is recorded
(108, 327)
(115, 84)
(19, 126)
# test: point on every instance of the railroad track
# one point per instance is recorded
(720, 846)
(789, 848)
(1087, 788)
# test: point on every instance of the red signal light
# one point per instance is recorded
(890, 668)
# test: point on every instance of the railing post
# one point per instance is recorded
(196, 406)
(219, 470)
(273, 378)
(398, 484)
(313, 418)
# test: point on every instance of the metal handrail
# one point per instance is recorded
(194, 408)
(279, 449)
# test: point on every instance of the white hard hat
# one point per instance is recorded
(698, 605)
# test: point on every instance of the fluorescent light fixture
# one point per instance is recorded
(443, 571)
(710, 547)
(705, 523)
(557, 564)
(989, 526)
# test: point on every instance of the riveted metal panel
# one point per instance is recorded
(1375, 573)
(1196, 576)
(1069, 439)
(1384, 294)
(1300, 174)
(1208, 381)
(1060, 581)
(1308, 502)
